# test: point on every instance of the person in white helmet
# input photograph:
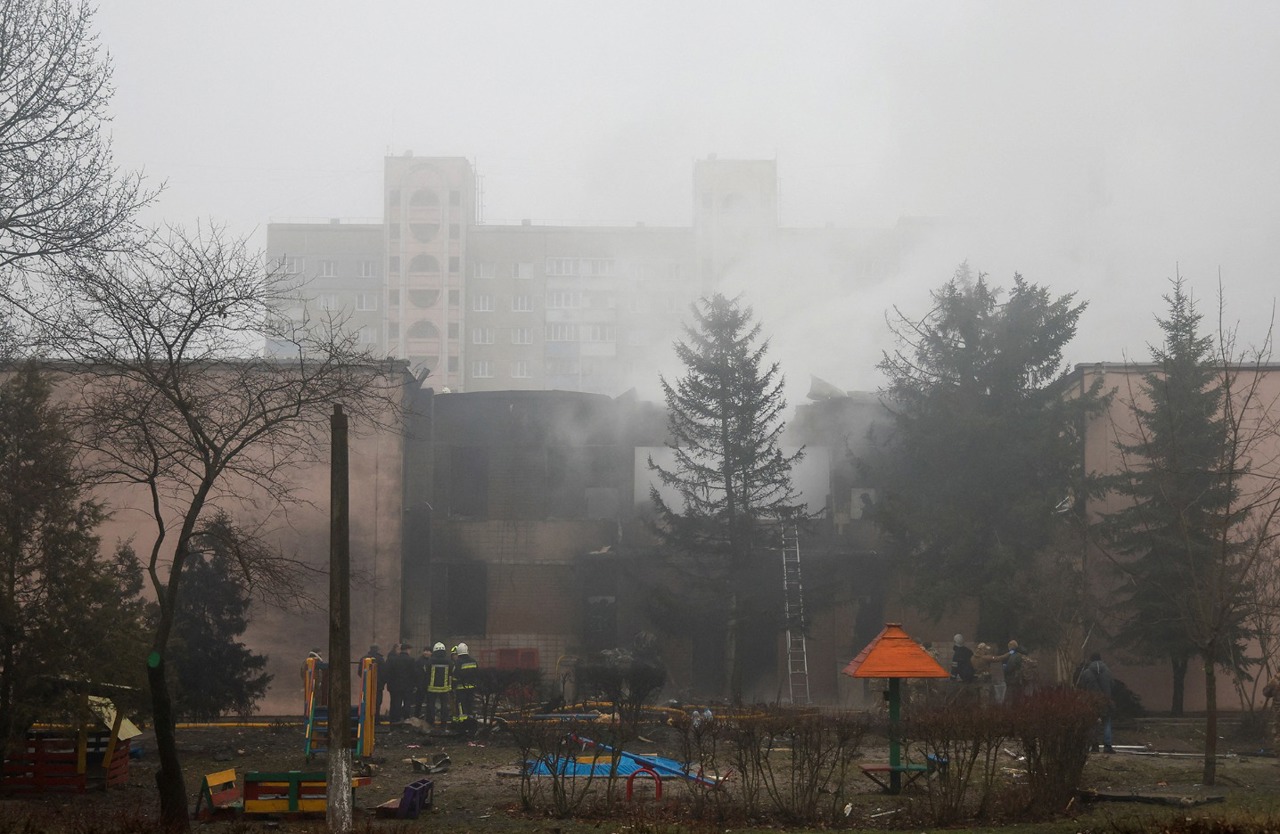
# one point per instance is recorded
(464, 681)
(439, 686)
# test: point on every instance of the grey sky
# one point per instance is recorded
(1093, 147)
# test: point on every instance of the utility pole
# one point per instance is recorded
(339, 813)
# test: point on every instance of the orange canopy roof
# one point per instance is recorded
(893, 654)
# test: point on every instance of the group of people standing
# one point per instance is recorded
(438, 686)
(1009, 671)
(1009, 676)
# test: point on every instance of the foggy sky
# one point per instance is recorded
(1093, 147)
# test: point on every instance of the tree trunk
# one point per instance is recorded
(174, 815)
(1210, 723)
(732, 649)
(1179, 683)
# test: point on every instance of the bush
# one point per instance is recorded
(964, 743)
(801, 763)
(1056, 729)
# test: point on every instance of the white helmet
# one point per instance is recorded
(462, 648)
(438, 647)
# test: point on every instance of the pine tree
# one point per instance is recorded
(64, 612)
(1174, 493)
(733, 480)
(979, 474)
(215, 674)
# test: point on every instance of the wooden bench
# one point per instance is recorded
(417, 797)
(912, 772)
(219, 794)
(289, 792)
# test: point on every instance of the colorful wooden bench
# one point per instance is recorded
(289, 792)
(417, 797)
(219, 794)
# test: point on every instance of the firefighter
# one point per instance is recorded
(439, 686)
(464, 681)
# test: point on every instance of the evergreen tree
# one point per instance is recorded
(64, 612)
(733, 480)
(1174, 492)
(979, 474)
(215, 674)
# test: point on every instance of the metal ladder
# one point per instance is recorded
(793, 610)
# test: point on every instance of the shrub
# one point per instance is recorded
(1055, 727)
(963, 742)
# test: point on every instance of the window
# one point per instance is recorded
(481, 302)
(562, 333)
(563, 300)
(597, 267)
(455, 231)
(482, 269)
(482, 335)
(393, 197)
(520, 369)
(599, 333)
(522, 303)
(393, 266)
(294, 266)
(453, 364)
(523, 271)
(455, 198)
(368, 336)
(562, 367)
(454, 329)
(366, 301)
(522, 335)
(459, 591)
(393, 298)
(562, 266)
(366, 269)
(327, 269)
(455, 263)
(482, 369)
(455, 298)
(327, 301)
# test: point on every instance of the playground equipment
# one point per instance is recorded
(628, 764)
(894, 655)
(363, 715)
(92, 754)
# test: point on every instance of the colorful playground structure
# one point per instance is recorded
(363, 715)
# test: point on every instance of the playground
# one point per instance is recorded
(1157, 758)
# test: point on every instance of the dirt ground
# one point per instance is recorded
(1155, 756)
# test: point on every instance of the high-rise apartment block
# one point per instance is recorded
(481, 306)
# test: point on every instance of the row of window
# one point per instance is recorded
(585, 267)
(423, 232)
(365, 301)
(554, 333)
(484, 369)
(327, 268)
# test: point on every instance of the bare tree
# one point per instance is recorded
(180, 403)
(61, 194)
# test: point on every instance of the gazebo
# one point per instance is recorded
(894, 655)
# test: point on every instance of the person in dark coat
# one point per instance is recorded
(1096, 677)
(400, 672)
(961, 661)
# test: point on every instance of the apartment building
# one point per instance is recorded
(533, 306)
